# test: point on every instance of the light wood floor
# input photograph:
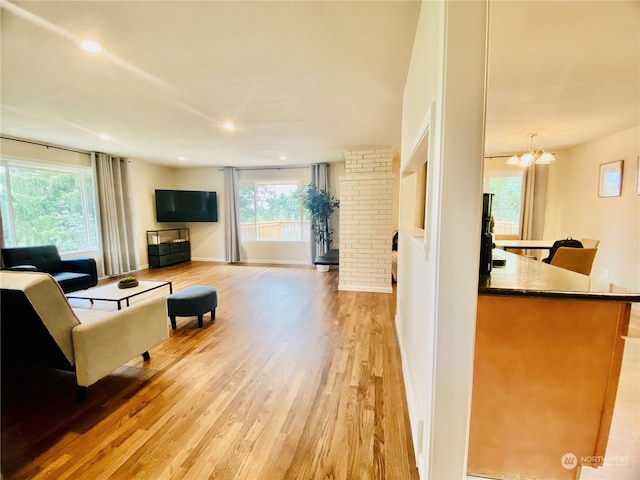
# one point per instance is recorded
(293, 380)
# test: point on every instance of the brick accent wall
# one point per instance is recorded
(366, 210)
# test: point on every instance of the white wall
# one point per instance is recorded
(295, 253)
(415, 319)
(286, 253)
(34, 152)
(437, 294)
(146, 177)
(207, 239)
(574, 208)
(277, 252)
(336, 170)
(500, 165)
(395, 170)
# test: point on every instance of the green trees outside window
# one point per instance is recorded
(48, 205)
(272, 211)
(507, 201)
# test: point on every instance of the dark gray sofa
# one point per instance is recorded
(72, 274)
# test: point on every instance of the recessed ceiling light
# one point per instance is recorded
(182, 159)
(90, 46)
(283, 158)
(229, 126)
(105, 136)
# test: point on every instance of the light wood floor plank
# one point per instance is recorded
(293, 380)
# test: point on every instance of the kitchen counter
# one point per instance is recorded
(522, 276)
(548, 352)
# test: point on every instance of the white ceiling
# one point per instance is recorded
(298, 79)
(567, 70)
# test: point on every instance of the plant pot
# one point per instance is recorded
(322, 268)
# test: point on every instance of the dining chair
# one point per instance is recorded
(589, 242)
(575, 259)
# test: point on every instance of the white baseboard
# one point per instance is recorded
(365, 288)
(137, 269)
(276, 262)
(415, 420)
(244, 261)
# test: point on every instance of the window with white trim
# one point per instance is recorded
(48, 204)
(507, 200)
(272, 210)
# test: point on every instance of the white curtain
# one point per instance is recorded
(534, 202)
(320, 180)
(1, 239)
(232, 252)
(114, 202)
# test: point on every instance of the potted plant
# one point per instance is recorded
(321, 204)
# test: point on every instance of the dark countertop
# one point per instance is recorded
(525, 277)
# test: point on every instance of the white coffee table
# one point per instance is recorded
(111, 292)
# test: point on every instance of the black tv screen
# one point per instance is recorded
(186, 206)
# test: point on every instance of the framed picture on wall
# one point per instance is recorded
(610, 184)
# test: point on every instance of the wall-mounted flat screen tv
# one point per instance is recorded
(186, 206)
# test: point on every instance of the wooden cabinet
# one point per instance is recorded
(547, 359)
(168, 246)
(544, 385)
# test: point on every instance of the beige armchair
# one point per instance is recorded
(39, 325)
(589, 242)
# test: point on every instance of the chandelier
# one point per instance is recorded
(533, 154)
